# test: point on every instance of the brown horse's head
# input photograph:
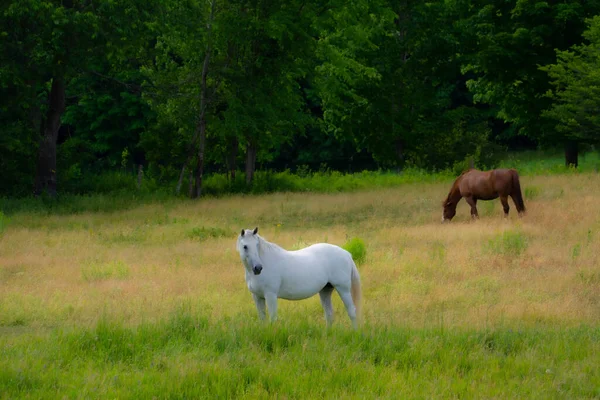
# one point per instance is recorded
(449, 210)
(452, 200)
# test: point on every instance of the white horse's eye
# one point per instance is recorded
(245, 247)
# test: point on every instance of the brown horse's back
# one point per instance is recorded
(489, 185)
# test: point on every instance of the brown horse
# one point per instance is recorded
(476, 185)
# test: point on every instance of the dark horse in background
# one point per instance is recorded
(476, 185)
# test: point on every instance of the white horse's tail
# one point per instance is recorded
(356, 292)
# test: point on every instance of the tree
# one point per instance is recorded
(183, 82)
(236, 67)
(272, 47)
(576, 92)
(504, 44)
(390, 81)
(48, 43)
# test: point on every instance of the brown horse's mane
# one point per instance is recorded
(456, 183)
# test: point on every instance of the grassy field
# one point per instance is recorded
(150, 302)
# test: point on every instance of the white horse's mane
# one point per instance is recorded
(266, 246)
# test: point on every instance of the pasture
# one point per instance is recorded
(151, 302)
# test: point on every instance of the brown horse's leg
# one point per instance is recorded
(505, 206)
(520, 211)
(473, 203)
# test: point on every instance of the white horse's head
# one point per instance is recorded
(247, 245)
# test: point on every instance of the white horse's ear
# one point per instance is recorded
(255, 231)
(242, 234)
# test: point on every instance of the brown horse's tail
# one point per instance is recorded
(517, 195)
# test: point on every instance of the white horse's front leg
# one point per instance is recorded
(272, 305)
(260, 306)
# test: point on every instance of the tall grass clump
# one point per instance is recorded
(356, 246)
(3, 222)
(510, 242)
(98, 272)
(204, 233)
(532, 192)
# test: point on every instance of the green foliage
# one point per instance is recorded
(403, 105)
(108, 121)
(356, 246)
(203, 233)
(510, 243)
(576, 81)
(365, 85)
(507, 43)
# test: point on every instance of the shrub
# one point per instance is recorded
(357, 248)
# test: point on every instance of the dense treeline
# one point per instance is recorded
(188, 87)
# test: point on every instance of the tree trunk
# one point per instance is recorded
(45, 179)
(400, 150)
(250, 162)
(201, 146)
(181, 174)
(191, 184)
(140, 176)
(571, 153)
(201, 126)
(232, 157)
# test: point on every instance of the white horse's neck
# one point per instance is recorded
(268, 249)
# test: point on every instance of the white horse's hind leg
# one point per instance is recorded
(272, 305)
(346, 296)
(260, 306)
(325, 295)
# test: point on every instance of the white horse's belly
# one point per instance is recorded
(291, 290)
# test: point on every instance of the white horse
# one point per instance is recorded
(272, 273)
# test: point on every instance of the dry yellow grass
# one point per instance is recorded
(138, 265)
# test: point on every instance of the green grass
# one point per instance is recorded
(151, 302)
(549, 163)
(106, 200)
(188, 357)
